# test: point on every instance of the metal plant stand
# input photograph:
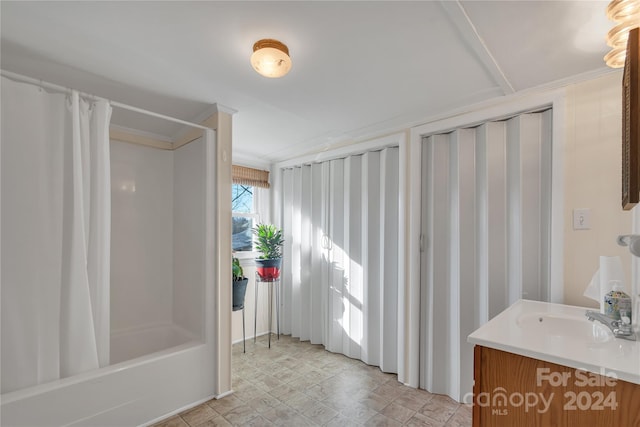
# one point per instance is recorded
(271, 283)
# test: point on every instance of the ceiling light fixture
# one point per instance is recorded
(270, 58)
(626, 15)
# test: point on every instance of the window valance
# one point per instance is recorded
(249, 176)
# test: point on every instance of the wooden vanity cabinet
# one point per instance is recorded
(512, 390)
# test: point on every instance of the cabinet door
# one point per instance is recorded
(513, 390)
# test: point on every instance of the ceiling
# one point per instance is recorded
(359, 68)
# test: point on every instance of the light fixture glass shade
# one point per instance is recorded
(618, 35)
(270, 58)
(615, 58)
(626, 14)
(619, 10)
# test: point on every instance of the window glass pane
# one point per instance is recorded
(242, 203)
(242, 237)
(242, 198)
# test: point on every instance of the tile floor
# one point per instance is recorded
(299, 384)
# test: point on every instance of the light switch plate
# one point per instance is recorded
(582, 219)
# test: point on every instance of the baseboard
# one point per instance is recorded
(225, 394)
(182, 409)
(251, 337)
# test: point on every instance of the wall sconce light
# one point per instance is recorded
(270, 58)
(626, 15)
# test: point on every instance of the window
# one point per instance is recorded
(247, 196)
(244, 217)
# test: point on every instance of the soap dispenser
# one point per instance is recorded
(617, 304)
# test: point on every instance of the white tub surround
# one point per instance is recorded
(144, 340)
(560, 334)
(169, 318)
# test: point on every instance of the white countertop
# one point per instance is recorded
(515, 331)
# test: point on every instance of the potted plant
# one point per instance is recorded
(239, 284)
(269, 242)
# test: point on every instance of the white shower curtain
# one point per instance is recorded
(340, 278)
(55, 228)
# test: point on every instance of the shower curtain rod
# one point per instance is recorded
(62, 89)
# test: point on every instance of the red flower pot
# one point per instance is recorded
(268, 269)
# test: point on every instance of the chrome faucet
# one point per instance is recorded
(619, 329)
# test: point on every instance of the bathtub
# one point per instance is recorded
(137, 391)
(160, 369)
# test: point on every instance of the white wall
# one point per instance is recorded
(141, 236)
(592, 180)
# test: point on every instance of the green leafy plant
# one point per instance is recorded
(236, 269)
(269, 241)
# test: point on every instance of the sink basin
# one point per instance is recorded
(560, 334)
(570, 327)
